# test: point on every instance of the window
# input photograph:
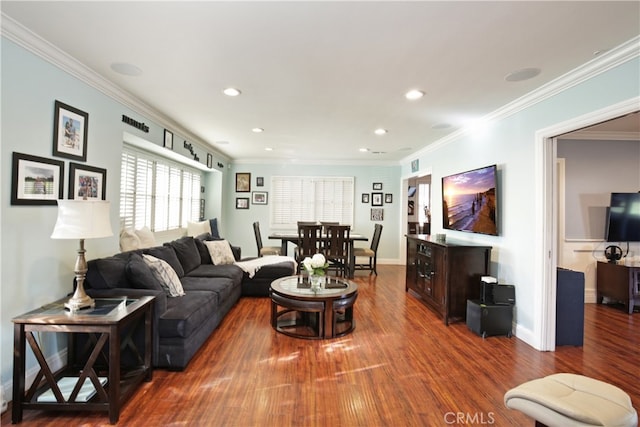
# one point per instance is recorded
(156, 192)
(306, 198)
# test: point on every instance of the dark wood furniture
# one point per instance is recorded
(286, 237)
(97, 337)
(299, 311)
(445, 274)
(335, 248)
(618, 282)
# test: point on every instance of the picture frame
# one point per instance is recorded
(243, 182)
(209, 160)
(36, 180)
(260, 181)
(376, 199)
(259, 197)
(201, 209)
(377, 214)
(70, 130)
(388, 198)
(365, 197)
(168, 139)
(415, 165)
(242, 203)
(377, 186)
(87, 182)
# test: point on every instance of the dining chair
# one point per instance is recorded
(309, 240)
(263, 250)
(370, 252)
(326, 224)
(336, 248)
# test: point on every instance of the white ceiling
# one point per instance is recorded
(319, 77)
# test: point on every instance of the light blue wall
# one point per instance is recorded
(237, 225)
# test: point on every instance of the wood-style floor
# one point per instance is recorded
(400, 367)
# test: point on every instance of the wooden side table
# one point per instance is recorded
(84, 384)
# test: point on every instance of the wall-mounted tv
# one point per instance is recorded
(470, 201)
(623, 222)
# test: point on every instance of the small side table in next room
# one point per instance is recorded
(104, 363)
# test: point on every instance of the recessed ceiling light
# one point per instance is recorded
(257, 130)
(268, 149)
(126, 69)
(414, 94)
(380, 131)
(364, 150)
(524, 74)
(231, 91)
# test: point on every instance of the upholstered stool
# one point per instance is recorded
(572, 400)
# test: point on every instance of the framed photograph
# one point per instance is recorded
(260, 181)
(365, 197)
(242, 203)
(259, 197)
(388, 198)
(377, 214)
(377, 186)
(87, 182)
(209, 160)
(376, 199)
(168, 139)
(36, 180)
(243, 182)
(415, 165)
(70, 132)
(201, 209)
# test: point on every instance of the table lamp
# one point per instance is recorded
(81, 219)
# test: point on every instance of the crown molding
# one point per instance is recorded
(30, 41)
(611, 59)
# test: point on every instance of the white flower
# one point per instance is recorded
(316, 264)
(318, 261)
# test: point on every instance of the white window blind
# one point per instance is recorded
(156, 192)
(307, 198)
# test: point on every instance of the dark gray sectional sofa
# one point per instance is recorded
(181, 324)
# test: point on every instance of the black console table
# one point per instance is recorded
(619, 283)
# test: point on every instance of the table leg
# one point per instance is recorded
(19, 349)
(283, 247)
(114, 374)
(352, 260)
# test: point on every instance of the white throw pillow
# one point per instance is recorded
(129, 240)
(147, 239)
(220, 251)
(165, 274)
(198, 228)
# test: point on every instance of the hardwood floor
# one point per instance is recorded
(401, 366)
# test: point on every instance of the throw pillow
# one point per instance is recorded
(220, 252)
(147, 239)
(187, 252)
(213, 225)
(140, 275)
(129, 240)
(166, 275)
(166, 253)
(197, 228)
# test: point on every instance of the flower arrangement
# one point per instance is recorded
(316, 265)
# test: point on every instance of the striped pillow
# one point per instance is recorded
(166, 275)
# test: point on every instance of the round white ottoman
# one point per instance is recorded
(572, 400)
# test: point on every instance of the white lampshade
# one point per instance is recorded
(82, 219)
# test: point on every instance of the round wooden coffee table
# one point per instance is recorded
(299, 311)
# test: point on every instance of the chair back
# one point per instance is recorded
(256, 231)
(377, 231)
(309, 238)
(326, 224)
(336, 244)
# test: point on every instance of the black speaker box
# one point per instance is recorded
(493, 293)
(489, 319)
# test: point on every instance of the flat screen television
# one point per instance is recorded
(623, 220)
(470, 201)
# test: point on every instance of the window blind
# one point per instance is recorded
(307, 198)
(156, 192)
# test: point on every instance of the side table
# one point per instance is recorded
(84, 384)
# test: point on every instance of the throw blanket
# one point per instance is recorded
(252, 266)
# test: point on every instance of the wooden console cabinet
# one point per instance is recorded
(445, 274)
(619, 283)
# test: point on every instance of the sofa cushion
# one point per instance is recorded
(129, 240)
(220, 251)
(167, 254)
(222, 286)
(187, 253)
(230, 271)
(197, 228)
(107, 273)
(185, 314)
(139, 274)
(165, 275)
(147, 239)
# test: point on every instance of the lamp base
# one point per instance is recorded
(75, 303)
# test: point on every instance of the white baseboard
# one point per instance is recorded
(55, 362)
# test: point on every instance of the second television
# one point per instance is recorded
(470, 201)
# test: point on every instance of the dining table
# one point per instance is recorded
(292, 236)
